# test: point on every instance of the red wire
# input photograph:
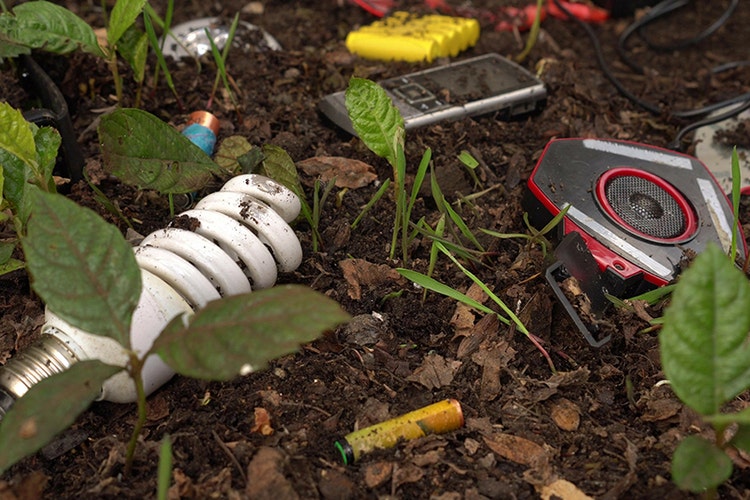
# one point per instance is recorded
(378, 9)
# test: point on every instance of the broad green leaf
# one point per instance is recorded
(50, 407)
(741, 438)
(47, 141)
(230, 152)
(725, 419)
(133, 47)
(16, 135)
(16, 184)
(82, 267)
(44, 25)
(375, 119)
(143, 151)
(704, 348)
(244, 332)
(279, 166)
(121, 18)
(6, 251)
(10, 48)
(698, 465)
(11, 265)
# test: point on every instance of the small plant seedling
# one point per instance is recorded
(42, 25)
(220, 57)
(705, 355)
(510, 317)
(535, 236)
(27, 158)
(86, 272)
(381, 127)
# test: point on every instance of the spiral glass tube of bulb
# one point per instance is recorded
(232, 241)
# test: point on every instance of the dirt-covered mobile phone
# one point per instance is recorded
(476, 86)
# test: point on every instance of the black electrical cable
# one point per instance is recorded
(662, 8)
(657, 12)
(676, 143)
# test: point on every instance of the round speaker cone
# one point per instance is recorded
(646, 205)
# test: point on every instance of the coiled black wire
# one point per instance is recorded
(658, 11)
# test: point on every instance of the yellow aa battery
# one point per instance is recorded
(407, 37)
(437, 418)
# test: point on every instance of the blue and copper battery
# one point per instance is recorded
(202, 129)
(438, 418)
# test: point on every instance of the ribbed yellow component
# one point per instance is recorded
(408, 37)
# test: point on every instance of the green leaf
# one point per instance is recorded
(44, 25)
(10, 49)
(6, 251)
(435, 286)
(244, 332)
(143, 151)
(16, 135)
(122, 17)
(233, 152)
(49, 408)
(467, 159)
(48, 141)
(741, 438)
(698, 465)
(726, 419)
(10, 266)
(82, 267)
(704, 349)
(16, 184)
(375, 119)
(133, 47)
(279, 166)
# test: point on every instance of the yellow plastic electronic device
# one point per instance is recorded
(409, 37)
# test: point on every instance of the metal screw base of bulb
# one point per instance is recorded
(48, 356)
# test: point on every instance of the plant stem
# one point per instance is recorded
(533, 32)
(136, 369)
(112, 56)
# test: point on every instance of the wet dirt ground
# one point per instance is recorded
(602, 425)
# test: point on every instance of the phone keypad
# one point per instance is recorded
(414, 94)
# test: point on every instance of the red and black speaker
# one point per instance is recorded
(633, 214)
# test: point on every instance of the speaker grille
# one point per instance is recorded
(646, 207)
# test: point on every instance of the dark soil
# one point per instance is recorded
(604, 422)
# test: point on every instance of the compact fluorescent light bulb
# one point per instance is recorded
(238, 238)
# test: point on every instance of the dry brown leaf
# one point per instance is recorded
(564, 490)
(435, 372)
(463, 317)
(359, 272)
(476, 335)
(377, 473)
(349, 173)
(265, 476)
(516, 449)
(406, 474)
(489, 360)
(262, 423)
(566, 414)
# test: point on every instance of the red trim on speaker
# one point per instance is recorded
(691, 221)
(607, 259)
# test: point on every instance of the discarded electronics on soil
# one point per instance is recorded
(437, 418)
(635, 215)
(191, 39)
(485, 84)
(183, 267)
